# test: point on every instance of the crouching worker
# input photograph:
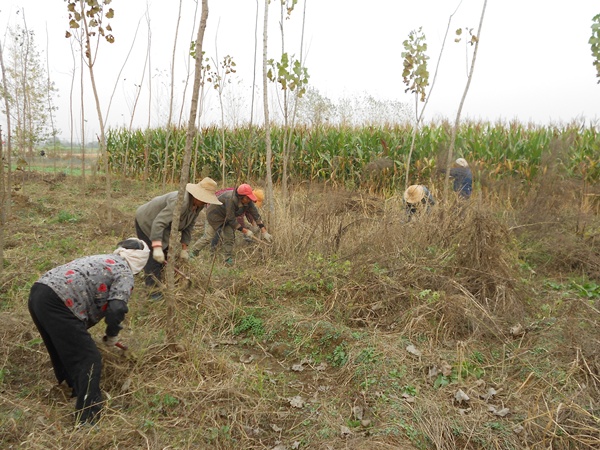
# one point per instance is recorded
(246, 217)
(153, 225)
(417, 198)
(462, 178)
(223, 219)
(71, 298)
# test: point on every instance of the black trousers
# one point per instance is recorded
(153, 269)
(72, 350)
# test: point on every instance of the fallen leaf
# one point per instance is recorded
(246, 359)
(517, 330)
(464, 412)
(296, 445)
(321, 367)
(357, 412)
(502, 412)
(460, 396)
(518, 429)
(489, 394)
(297, 367)
(409, 398)
(345, 431)
(276, 429)
(446, 369)
(297, 402)
(433, 372)
(413, 350)
(126, 385)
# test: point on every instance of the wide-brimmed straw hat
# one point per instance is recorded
(204, 191)
(414, 194)
(462, 162)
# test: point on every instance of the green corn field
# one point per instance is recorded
(373, 157)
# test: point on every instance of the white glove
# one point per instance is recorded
(267, 237)
(158, 255)
(249, 233)
(184, 255)
(110, 341)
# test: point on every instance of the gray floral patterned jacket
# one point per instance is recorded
(93, 288)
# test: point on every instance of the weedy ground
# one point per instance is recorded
(474, 326)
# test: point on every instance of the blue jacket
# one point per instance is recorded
(463, 181)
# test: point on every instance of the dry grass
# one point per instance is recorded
(304, 344)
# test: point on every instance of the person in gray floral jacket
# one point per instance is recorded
(71, 298)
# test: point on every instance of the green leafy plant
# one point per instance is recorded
(366, 356)
(339, 357)
(410, 390)
(469, 369)
(588, 289)
(442, 381)
(161, 402)
(429, 296)
(66, 217)
(216, 434)
(251, 326)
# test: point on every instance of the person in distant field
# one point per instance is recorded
(71, 298)
(153, 225)
(417, 198)
(462, 178)
(223, 219)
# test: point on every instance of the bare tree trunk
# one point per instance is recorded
(462, 102)
(82, 121)
(187, 78)
(290, 134)
(169, 130)
(137, 98)
(2, 208)
(286, 129)
(6, 201)
(27, 113)
(71, 119)
(269, 156)
(254, 69)
(419, 117)
(185, 168)
(148, 132)
(49, 96)
(102, 151)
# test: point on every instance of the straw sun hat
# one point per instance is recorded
(462, 162)
(204, 191)
(414, 194)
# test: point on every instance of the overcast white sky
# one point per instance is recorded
(534, 62)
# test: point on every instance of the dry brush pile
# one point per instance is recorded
(473, 326)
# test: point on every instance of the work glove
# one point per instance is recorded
(158, 255)
(184, 255)
(267, 237)
(110, 341)
(249, 234)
